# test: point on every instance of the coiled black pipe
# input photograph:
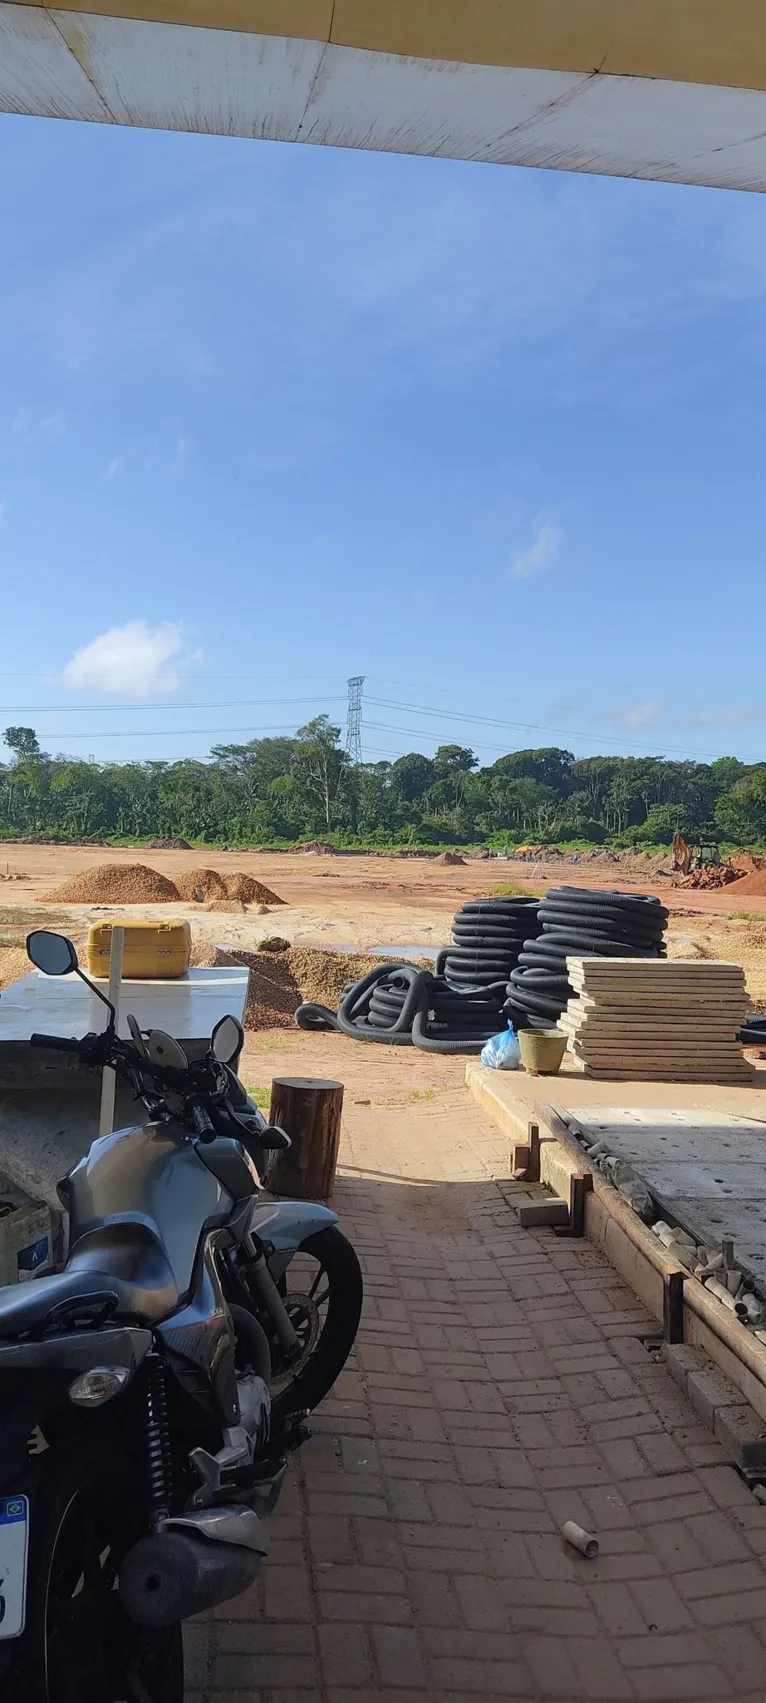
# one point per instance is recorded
(353, 1015)
(314, 1017)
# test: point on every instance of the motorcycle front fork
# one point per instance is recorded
(268, 1295)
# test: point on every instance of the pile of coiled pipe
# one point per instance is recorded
(457, 1020)
(579, 922)
(487, 937)
(399, 1005)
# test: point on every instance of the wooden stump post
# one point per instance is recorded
(309, 1109)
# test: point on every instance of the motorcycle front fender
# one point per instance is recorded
(288, 1223)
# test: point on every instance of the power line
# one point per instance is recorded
(171, 733)
(400, 732)
(521, 727)
(101, 709)
(33, 674)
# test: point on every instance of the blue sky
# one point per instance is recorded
(273, 415)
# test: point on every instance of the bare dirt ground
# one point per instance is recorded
(364, 902)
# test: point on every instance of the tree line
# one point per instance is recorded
(272, 791)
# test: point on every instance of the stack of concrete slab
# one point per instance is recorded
(657, 1020)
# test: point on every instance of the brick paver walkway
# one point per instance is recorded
(501, 1386)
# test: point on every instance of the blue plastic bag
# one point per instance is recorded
(502, 1052)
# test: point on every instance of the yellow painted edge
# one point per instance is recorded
(712, 42)
(298, 20)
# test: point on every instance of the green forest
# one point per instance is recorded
(283, 790)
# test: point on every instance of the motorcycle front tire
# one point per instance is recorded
(315, 1377)
(78, 1646)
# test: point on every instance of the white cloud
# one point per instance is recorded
(134, 660)
(645, 712)
(723, 715)
(540, 554)
(29, 423)
(113, 467)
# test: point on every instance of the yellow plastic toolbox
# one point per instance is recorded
(152, 949)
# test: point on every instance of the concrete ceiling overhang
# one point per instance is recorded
(666, 89)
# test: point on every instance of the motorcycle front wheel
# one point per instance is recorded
(322, 1290)
(79, 1646)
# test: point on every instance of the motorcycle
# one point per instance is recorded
(153, 1386)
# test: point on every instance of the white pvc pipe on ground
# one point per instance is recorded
(108, 1075)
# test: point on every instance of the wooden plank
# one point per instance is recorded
(673, 1307)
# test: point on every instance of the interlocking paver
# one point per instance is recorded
(499, 1387)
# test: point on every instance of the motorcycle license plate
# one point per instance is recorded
(14, 1532)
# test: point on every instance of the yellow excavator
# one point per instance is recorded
(686, 858)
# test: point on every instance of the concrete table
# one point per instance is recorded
(187, 1007)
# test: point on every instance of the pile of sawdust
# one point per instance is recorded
(273, 993)
(13, 963)
(230, 907)
(280, 981)
(752, 933)
(114, 884)
(450, 857)
(250, 891)
(175, 843)
(197, 885)
(741, 942)
(690, 948)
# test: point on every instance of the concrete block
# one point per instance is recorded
(708, 1391)
(742, 1434)
(544, 1212)
(680, 1361)
(739, 1429)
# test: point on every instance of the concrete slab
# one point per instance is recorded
(705, 1165)
(188, 1007)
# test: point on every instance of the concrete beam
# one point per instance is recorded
(668, 89)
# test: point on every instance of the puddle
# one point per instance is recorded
(403, 951)
(389, 951)
(380, 951)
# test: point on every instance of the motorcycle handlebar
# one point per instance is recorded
(119, 1052)
(56, 1043)
(202, 1123)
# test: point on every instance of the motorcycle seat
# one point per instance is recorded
(115, 1270)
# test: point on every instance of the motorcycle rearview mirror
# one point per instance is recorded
(55, 955)
(51, 953)
(227, 1040)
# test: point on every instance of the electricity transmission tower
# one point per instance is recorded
(354, 718)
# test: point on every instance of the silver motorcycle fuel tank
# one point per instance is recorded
(150, 1172)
